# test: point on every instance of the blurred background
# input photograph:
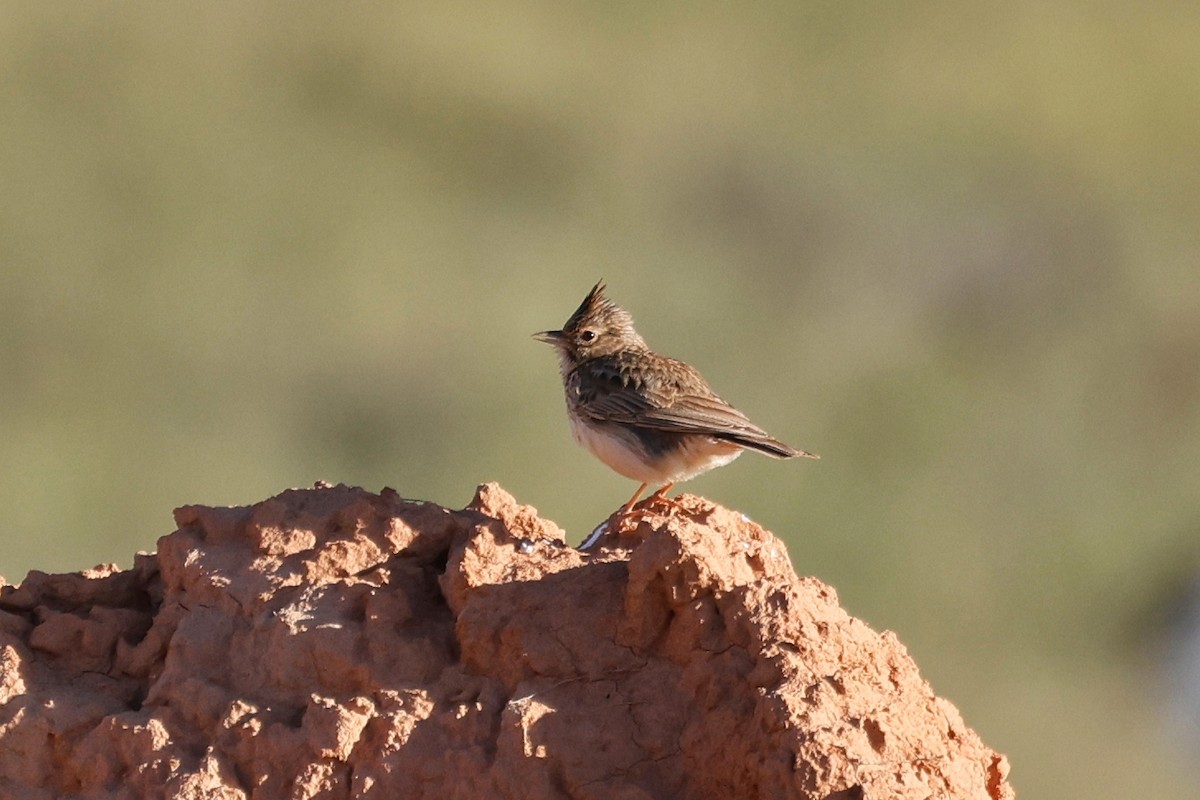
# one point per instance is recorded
(951, 247)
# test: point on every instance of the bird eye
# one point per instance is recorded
(587, 336)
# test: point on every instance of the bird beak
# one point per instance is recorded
(550, 337)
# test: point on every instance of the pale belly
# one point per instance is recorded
(622, 452)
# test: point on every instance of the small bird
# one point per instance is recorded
(649, 417)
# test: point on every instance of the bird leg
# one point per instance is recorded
(633, 509)
(628, 513)
(625, 509)
(660, 498)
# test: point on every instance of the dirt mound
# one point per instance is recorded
(331, 643)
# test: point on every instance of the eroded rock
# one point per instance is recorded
(333, 643)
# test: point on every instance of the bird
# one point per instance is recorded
(649, 417)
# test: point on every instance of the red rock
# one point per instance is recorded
(332, 643)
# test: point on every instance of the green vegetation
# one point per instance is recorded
(951, 247)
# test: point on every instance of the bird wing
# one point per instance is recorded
(676, 400)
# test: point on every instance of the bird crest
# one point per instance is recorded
(603, 315)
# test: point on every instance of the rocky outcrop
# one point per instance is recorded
(333, 643)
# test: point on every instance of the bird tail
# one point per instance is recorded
(769, 446)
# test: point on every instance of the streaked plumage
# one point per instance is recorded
(649, 417)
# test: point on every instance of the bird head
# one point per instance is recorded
(598, 327)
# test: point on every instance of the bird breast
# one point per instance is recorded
(624, 452)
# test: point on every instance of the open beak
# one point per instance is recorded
(550, 337)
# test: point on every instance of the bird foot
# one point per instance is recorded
(621, 523)
(656, 504)
(626, 520)
(669, 504)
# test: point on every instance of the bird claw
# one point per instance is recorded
(626, 520)
(655, 505)
(671, 504)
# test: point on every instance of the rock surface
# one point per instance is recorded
(332, 643)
